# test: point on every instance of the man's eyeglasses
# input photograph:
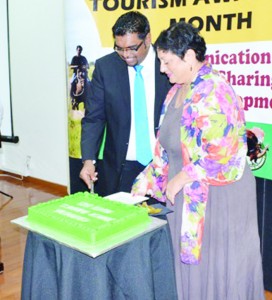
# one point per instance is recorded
(132, 48)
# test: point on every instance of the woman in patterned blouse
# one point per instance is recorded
(199, 169)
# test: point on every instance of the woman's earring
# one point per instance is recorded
(191, 69)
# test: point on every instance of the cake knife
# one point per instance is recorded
(92, 187)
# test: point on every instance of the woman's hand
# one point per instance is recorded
(140, 186)
(176, 184)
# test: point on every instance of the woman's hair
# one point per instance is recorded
(131, 22)
(179, 38)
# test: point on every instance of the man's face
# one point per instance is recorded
(79, 50)
(132, 49)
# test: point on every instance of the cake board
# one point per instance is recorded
(126, 198)
(84, 247)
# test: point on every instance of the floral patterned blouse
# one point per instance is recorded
(213, 144)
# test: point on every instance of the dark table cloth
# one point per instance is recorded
(140, 269)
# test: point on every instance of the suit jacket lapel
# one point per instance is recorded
(123, 81)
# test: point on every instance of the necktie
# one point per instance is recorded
(143, 149)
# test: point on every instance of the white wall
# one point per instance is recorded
(38, 80)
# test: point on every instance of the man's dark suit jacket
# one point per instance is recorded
(108, 104)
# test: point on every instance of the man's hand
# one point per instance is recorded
(88, 174)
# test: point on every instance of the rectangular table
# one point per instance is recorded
(140, 269)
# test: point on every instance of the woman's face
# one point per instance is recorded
(177, 69)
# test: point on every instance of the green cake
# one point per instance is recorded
(87, 217)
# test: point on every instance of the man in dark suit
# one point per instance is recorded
(110, 105)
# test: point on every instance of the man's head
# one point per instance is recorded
(132, 37)
(79, 50)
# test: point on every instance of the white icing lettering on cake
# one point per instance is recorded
(102, 209)
(85, 204)
(71, 215)
(100, 217)
(97, 208)
(74, 208)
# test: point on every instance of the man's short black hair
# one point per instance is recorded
(131, 22)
